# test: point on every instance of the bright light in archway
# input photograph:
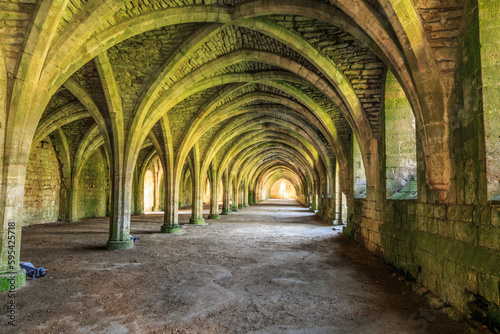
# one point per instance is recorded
(283, 189)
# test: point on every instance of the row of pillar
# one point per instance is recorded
(330, 209)
(238, 200)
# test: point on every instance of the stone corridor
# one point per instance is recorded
(379, 116)
(272, 268)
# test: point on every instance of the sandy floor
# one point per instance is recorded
(272, 268)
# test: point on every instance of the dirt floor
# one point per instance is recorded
(271, 268)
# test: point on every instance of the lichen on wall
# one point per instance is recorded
(93, 187)
(358, 170)
(186, 193)
(489, 36)
(42, 187)
(401, 155)
(452, 249)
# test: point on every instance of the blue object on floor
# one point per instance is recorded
(31, 271)
(134, 239)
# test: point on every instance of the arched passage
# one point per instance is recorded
(282, 189)
(352, 102)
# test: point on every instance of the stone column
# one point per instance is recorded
(256, 195)
(236, 194)
(226, 197)
(331, 209)
(241, 195)
(214, 198)
(197, 205)
(245, 197)
(121, 197)
(156, 171)
(11, 274)
(321, 204)
(139, 194)
(71, 201)
(171, 216)
(338, 196)
(314, 202)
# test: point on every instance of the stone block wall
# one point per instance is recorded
(358, 170)
(400, 148)
(185, 193)
(43, 185)
(490, 68)
(162, 195)
(206, 192)
(453, 250)
(93, 187)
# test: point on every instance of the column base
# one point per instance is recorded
(12, 280)
(250, 204)
(246, 205)
(234, 209)
(197, 221)
(240, 206)
(225, 213)
(216, 216)
(172, 229)
(119, 244)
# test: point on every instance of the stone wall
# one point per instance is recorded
(93, 187)
(358, 170)
(14, 27)
(490, 68)
(42, 187)
(185, 193)
(162, 193)
(452, 249)
(206, 191)
(401, 156)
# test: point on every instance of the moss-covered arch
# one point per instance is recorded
(261, 151)
(180, 91)
(249, 147)
(322, 121)
(274, 176)
(276, 157)
(307, 139)
(309, 178)
(267, 169)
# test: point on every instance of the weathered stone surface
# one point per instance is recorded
(290, 90)
(43, 185)
(93, 187)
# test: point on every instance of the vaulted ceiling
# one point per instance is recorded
(286, 81)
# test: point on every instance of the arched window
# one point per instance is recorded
(149, 189)
(400, 144)
(358, 170)
(490, 68)
(43, 184)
